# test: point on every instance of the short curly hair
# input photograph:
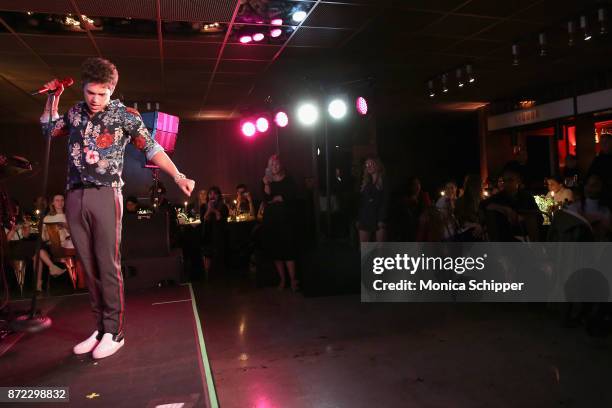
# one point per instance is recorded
(99, 71)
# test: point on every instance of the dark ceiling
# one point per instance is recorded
(389, 49)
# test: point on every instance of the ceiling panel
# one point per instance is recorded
(319, 37)
(48, 6)
(339, 16)
(495, 8)
(250, 51)
(128, 47)
(458, 26)
(509, 31)
(197, 10)
(189, 49)
(63, 45)
(144, 9)
(552, 11)
(242, 66)
(189, 65)
(9, 44)
(397, 21)
(437, 5)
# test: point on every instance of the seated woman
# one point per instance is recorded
(56, 217)
(558, 191)
(20, 229)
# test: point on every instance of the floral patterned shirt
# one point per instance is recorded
(96, 144)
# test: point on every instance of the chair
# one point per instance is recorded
(568, 226)
(67, 256)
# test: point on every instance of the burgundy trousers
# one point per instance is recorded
(94, 218)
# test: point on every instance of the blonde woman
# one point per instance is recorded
(372, 219)
(278, 231)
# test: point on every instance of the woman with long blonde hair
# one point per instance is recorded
(372, 218)
(278, 231)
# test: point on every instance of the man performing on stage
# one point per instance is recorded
(98, 131)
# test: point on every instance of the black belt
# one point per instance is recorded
(82, 186)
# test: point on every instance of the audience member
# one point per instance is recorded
(516, 205)
(590, 206)
(279, 238)
(372, 218)
(558, 191)
(131, 205)
(214, 222)
(56, 216)
(602, 167)
(467, 208)
(244, 201)
(446, 207)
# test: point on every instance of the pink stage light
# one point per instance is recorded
(362, 106)
(277, 21)
(258, 37)
(281, 119)
(262, 124)
(245, 39)
(275, 32)
(248, 129)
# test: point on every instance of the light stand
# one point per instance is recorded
(327, 181)
(34, 321)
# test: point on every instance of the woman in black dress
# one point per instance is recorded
(278, 232)
(373, 202)
(213, 216)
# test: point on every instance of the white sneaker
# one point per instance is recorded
(107, 346)
(87, 345)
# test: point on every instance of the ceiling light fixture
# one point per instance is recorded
(299, 16)
(585, 28)
(515, 55)
(444, 80)
(469, 70)
(601, 17)
(432, 92)
(570, 33)
(362, 105)
(460, 82)
(542, 42)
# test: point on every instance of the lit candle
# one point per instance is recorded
(442, 193)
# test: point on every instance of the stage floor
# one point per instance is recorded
(161, 362)
(271, 349)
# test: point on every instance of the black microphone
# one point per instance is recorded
(66, 82)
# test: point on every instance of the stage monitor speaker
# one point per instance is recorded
(145, 237)
(144, 273)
